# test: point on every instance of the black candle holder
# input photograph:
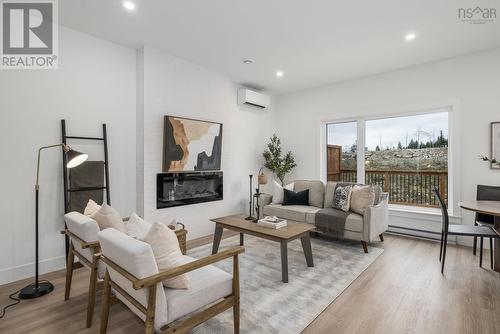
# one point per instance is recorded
(250, 217)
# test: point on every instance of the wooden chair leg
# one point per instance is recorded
(236, 293)
(365, 246)
(481, 251)
(91, 295)
(69, 272)
(381, 237)
(150, 315)
(106, 296)
(491, 253)
(445, 241)
(441, 247)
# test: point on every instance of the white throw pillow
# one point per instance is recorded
(91, 208)
(278, 192)
(107, 217)
(137, 227)
(167, 253)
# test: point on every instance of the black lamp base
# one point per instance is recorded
(32, 291)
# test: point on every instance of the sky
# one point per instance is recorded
(389, 131)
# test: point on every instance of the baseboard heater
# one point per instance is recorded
(414, 232)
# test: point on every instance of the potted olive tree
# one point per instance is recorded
(277, 163)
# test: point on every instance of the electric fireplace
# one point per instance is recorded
(183, 188)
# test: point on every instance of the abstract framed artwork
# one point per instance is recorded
(495, 143)
(191, 145)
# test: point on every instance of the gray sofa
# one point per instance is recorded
(365, 228)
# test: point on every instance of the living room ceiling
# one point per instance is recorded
(312, 43)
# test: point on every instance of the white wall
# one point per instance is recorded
(172, 86)
(95, 84)
(471, 83)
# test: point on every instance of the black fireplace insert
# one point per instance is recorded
(183, 188)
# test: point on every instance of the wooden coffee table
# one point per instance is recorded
(293, 231)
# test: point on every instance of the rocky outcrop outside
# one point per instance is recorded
(429, 159)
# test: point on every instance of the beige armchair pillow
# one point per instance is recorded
(167, 253)
(137, 227)
(107, 217)
(362, 197)
(91, 208)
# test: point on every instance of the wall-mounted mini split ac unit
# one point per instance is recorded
(253, 98)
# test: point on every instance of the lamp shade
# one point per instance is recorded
(75, 158)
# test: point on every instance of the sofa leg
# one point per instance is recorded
(381, 237)
(365, 246)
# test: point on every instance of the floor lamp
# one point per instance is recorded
(38, 288)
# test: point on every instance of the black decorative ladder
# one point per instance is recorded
(67, 190)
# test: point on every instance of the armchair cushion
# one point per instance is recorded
(167, 253)
(137, 258)
(206, 286)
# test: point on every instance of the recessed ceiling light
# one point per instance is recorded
(410, 37)
(129, 5)
(247, 61)
(279, 74)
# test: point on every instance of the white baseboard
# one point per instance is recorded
(12, 274)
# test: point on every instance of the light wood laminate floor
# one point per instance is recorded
(403, 291)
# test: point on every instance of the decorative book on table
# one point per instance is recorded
(272, 222)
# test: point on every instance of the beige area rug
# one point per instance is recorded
(270, 306)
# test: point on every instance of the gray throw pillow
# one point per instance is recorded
(342, 198)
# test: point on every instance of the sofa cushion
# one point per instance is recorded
(316, 191)
(329, 193)
(300, 213)
(362, 197)
(354, 223)
(206, 285)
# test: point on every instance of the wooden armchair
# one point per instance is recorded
(84, 244)
(133, 275)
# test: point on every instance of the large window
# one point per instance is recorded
(407, 156)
